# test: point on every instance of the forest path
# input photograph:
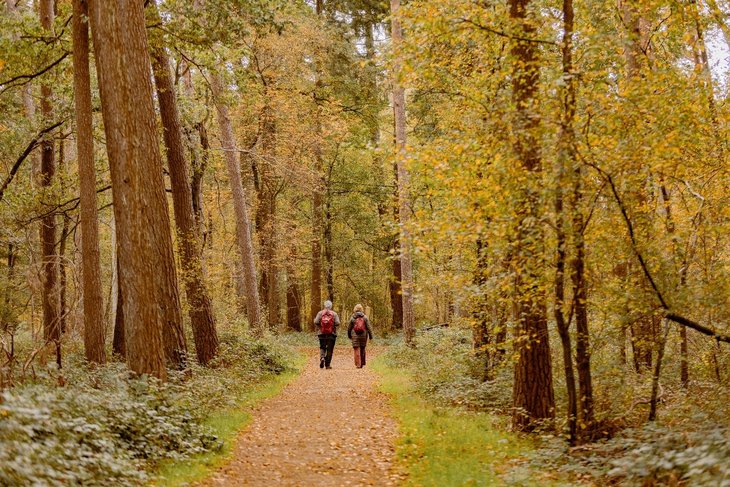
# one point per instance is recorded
(327, 428)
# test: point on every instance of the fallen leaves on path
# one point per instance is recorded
(328, 428)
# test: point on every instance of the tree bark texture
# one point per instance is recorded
(533, 396)
(146, 267)
(93, 303)
(243, 222)
(49, 259)
(404, 183)
(200, 311)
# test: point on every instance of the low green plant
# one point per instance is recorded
(447, 446)
(446, 369)
(106, 427)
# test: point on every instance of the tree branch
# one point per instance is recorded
(10, 83)
(665, 307)
(32, 145)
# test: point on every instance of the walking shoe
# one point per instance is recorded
(321, 363)
(329, 366)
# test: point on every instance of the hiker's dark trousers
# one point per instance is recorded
(326, 347)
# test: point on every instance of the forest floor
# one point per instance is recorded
(327, 428)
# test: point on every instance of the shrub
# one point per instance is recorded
(446, 369)
(105, 427)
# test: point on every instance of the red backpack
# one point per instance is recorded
(360, 325)
(327, 322)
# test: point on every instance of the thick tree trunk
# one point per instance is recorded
(146, 265)
(533, 385)
(49, 259)
(404, 183)
(243, 222)
(90, 255)
(200, 311)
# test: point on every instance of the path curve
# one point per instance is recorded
(327, 428)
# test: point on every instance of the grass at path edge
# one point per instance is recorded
(443, 446)
(226, 424)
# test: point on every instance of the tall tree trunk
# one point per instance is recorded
(50, 296)
(317, 200)
(533, 386)
(404, 182)
(265, 221)
(577, 265)
(91, 261)
(641, 329)
(243, 222)
(146, 266)
(200, 311)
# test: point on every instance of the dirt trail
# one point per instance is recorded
(327, 428)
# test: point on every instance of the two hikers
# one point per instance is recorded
(358, 331)
(327, 321)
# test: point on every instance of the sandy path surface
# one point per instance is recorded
(327, 428)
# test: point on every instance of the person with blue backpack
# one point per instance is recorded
(358, 331)
(327, 322)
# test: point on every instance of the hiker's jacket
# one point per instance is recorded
(359, 340)
(319, 318)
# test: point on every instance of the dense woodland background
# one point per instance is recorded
(184, 179)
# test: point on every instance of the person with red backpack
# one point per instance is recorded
(358, 331)
(327, 321)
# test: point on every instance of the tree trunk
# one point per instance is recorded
(569, 162)
(200, 311)
(62, 277)
(533, 387)
(657, 373)
(243, 223)
(49, 259)
(119, 344)
(404, 182)
(328, 253)
(265, 220)
(196, 183)
(293, 295)
(151, 305)
(91, 261)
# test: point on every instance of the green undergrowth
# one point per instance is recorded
(450, 446)
(103, 426)
(225, 424)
